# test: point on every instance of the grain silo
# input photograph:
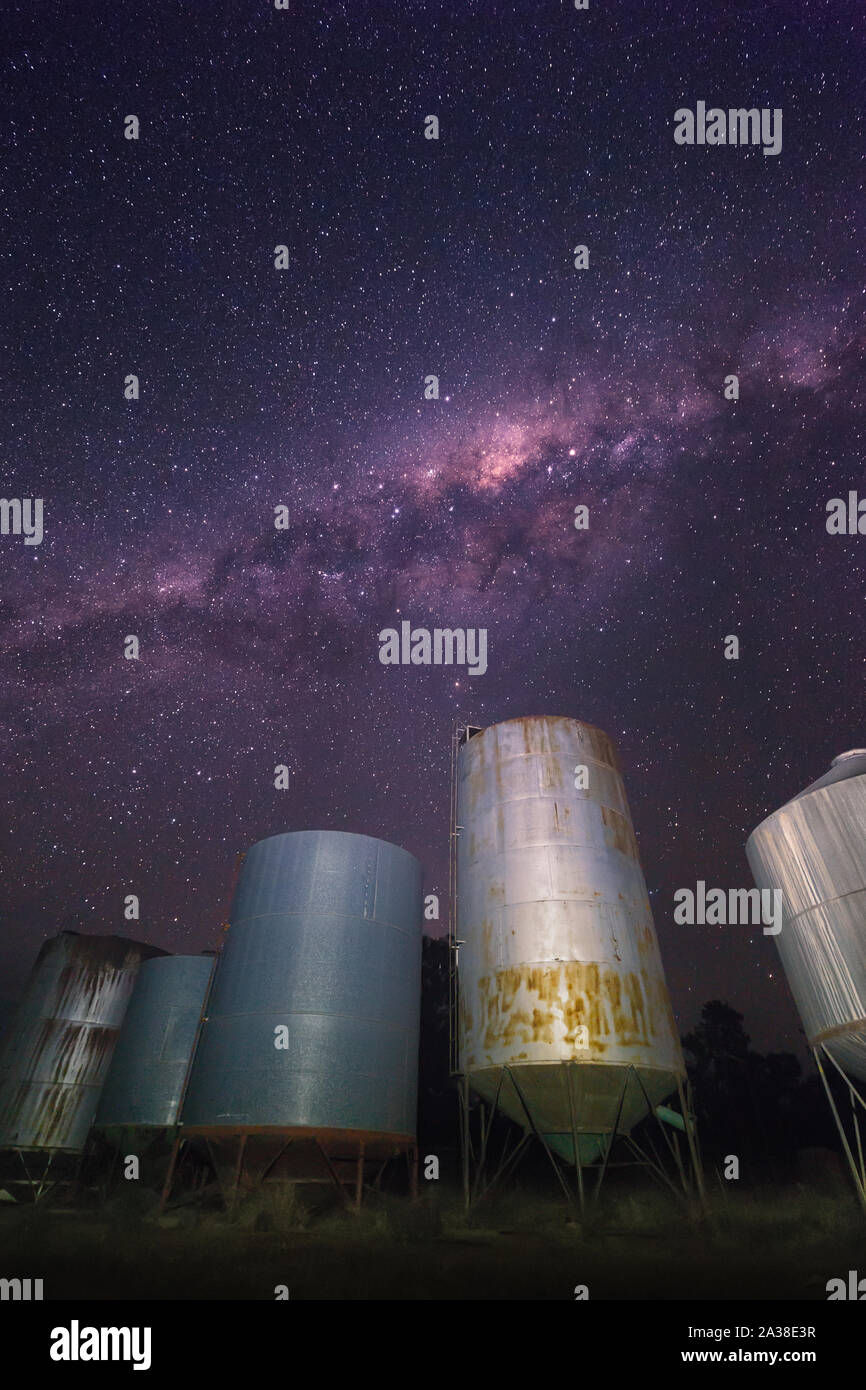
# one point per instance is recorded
(813, 849)
(145, 1081)
(57, 1051)
(306, 1067)
(564, 1020)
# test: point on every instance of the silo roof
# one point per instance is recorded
(850, 764)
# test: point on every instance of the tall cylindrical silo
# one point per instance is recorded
(60, 1042)
(814, 850)
(565, 1020)
(144, 1084)
(313, 1019)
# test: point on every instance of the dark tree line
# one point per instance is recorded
(756, 1105)
(437, 1098)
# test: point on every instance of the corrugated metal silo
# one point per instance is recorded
(59, 1045)
(564, 1016)
(323, 955)
(814, 850)
(144, 1084)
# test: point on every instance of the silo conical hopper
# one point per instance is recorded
(564, 1014)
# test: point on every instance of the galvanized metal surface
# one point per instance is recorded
(559, 961)
(325, 940)
(814, 850)
(61, 1038)
(146, 1076)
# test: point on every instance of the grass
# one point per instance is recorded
(526, 1244)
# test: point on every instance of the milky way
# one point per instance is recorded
(304, 388)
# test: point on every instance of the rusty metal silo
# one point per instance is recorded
(139, 1107)
(57, 1051)
(565, 1022)
(307, 1063)
(814, 850)
(145, 1082)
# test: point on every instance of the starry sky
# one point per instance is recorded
(305, 388)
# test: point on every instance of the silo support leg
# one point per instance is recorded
(507, 1166)
(112, 1170)
(378, 1177)
(43, 1181)
(475, 1188)
(485, 1136)
(359, 1177)
(27, 1178)
(537, 1132)
(169, 1177)
(858, 1176)
(464, 1137)
(239, 1166)
(674, 1152)
(856, 1120)
(612, 1139)
(332, 1173)
(654, 1167)
(575, 1139)
(673, 1147)
(694, 1154)
(266, 1172)
(412, 1157)
(83, 1158)
(855, 1097)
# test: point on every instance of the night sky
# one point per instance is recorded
(305, 388)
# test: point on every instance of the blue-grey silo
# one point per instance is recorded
(60, 1041)
(148, 1071)
(314, 1013)
(814, 850)
(565, 1021)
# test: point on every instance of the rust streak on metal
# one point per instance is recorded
(531, 1003)
(622, 835)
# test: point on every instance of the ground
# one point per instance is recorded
(763, 1245)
